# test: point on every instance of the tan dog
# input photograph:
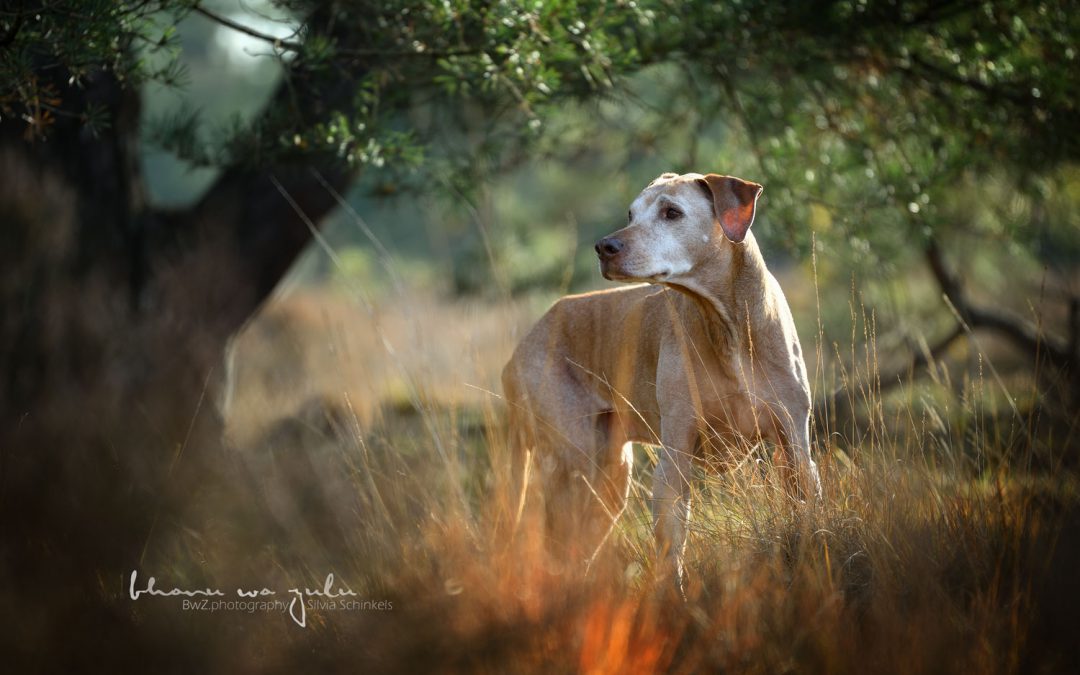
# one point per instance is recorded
(701, 361)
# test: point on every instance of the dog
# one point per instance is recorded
(701, 360)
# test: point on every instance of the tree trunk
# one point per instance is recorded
(115, 318)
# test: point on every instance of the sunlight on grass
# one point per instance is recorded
(389, 463)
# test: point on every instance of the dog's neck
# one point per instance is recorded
(731, 287)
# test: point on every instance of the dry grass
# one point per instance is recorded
(370, 445)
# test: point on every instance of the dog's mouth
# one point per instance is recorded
(612, 273)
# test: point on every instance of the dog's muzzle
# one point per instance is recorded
(608, 250)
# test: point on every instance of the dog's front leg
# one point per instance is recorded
(671, 498)
(804, 463)
(797, 468)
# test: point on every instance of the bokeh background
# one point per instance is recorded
(261, 264)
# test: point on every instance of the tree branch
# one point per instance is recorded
(241, 28)
(923, 357)
(991, 92)
(9, 37)
(840, 406)
(1018, 331)
(289, 45)
(1074, 326)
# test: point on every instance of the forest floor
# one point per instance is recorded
(371, 437)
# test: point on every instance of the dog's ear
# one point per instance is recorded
(734, 203)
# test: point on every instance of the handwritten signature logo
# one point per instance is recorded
(322, 598)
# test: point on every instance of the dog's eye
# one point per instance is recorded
(629, 216)
(671, 213)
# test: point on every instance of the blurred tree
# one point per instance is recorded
(906, 136)
(70, 103)
(116, 313)
(894, 110)
(881, 106)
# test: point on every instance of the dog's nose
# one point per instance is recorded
(608, 247)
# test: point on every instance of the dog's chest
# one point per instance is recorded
(737, 405)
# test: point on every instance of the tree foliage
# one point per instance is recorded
(887, 107)
(512, 56)
(915, 92)
(879, 123)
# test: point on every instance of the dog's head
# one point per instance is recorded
(676, 223)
